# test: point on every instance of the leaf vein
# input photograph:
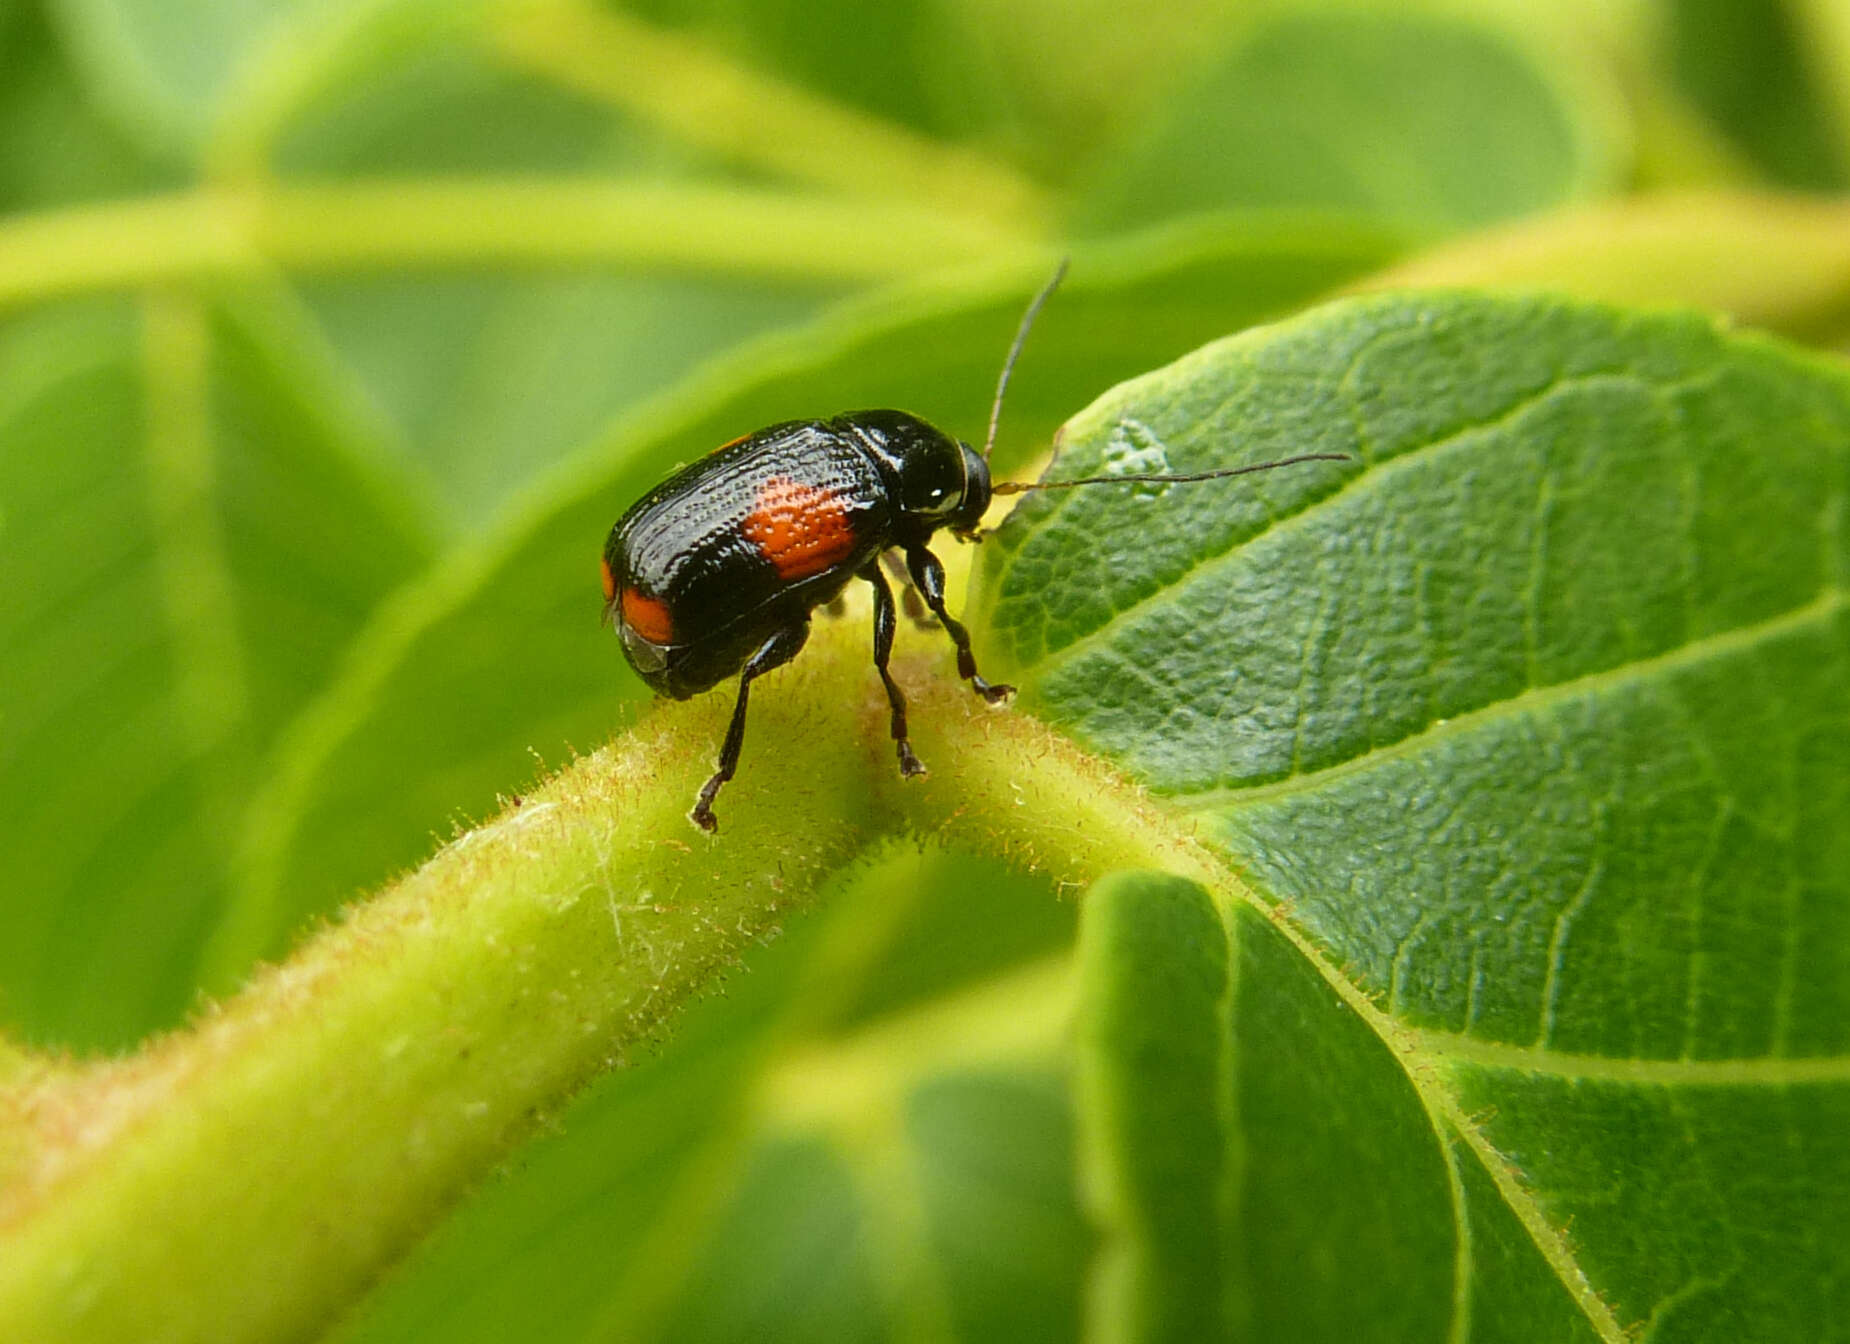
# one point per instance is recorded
(211, 693)
(1827, 605)
(1374, 474)
(1452, 1048)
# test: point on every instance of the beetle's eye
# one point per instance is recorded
(931, 480)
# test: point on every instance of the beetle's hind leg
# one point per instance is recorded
(884, 622)
(928, 576)
(779, 649)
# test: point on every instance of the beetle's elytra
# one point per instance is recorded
(717, 569)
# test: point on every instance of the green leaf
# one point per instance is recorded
(42, 105)
(1270, 1171)
(1389, 115)
(489, 380)
(188, 540)
(1744, 62)
(1526, 728)
(898, 62)
(162, 68)
(1153, 1087)
(1049, 81)
(445, 107)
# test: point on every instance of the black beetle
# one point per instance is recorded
(717, 569)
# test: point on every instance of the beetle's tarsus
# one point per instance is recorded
(993, 692)
(910, 766)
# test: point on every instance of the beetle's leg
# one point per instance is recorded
(884, 622)
(909, 601)
(928, 575)
(779, 649)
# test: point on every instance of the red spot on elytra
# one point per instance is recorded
(647, 616)
(801, 529)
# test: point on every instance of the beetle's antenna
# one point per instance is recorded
(1021, 336)
(1021, 487)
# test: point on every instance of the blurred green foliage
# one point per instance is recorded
(334, 335)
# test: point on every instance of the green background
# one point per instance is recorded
(334, 336)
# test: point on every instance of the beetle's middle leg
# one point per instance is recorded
(779, 649)
(884, 622)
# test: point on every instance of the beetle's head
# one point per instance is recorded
(937, 481)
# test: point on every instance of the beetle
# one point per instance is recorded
(717, 569)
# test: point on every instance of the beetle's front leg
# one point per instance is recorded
(908, 594)
(928, 577)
